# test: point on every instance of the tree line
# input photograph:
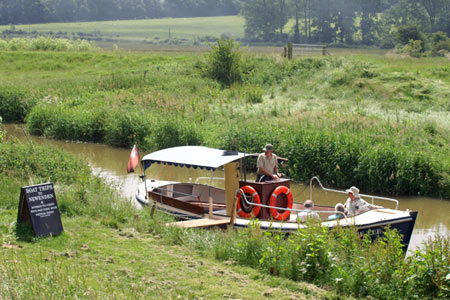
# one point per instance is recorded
(367, 22)
(41, 11)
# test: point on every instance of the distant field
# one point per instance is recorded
(149, 31)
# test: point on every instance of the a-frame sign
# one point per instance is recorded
(38, 206)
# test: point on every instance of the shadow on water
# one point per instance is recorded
(110, 163)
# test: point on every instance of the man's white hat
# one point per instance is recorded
(354, 190)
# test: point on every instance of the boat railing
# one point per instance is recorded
(197, 180)
(344, 192)
(291, 209)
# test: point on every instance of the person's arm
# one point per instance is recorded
(276, 166)
(265, 172)
(276, 171)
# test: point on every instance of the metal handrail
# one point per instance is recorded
(344, 192)
(290, 209)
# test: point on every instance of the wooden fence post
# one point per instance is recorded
(289, 50)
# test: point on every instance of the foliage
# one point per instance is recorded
(42, 163)
(429, 270)
(224, 62)
(355, 120)
(407, 33)
(441, 44)
(413, 48)
(173, 132)
(336, 258)
(46, 44)
(339, 258)
(15, 104)
(1, 130)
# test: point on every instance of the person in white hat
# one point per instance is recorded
(267, 165)
(355, 205)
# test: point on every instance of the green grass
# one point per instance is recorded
(348, 114)
(156, 31)
(109, 249)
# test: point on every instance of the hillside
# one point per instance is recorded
(173, 31)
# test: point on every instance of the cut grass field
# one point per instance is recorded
(150, 31)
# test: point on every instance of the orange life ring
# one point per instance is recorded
(255, 199)
(273, 201)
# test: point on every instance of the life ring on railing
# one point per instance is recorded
(255, 199)
(273, 202)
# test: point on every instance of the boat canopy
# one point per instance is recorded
(192, 156)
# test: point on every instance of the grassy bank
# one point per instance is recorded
(378, 122)
(111, 250)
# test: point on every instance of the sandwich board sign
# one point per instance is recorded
(38, 206)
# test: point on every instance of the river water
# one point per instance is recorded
(110, 163)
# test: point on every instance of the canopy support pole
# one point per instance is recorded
(209, 196)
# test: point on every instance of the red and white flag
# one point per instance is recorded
(134, 160)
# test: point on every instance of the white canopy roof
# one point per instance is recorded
(192, 156)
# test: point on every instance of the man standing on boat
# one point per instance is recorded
(267, 165)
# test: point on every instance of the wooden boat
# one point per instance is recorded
(237, 203)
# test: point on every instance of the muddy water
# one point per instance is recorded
(110, 163)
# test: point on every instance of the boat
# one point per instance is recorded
(242, 200)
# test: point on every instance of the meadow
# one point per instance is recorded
(171, 31)
(380, 122)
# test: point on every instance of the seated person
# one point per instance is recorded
(307, 213)
(267, 165)
(339, 207)
(355, 205)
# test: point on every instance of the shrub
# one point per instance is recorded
(224, 62)
(15, 104)
(174, 132)
(407, 33)
(413, 48)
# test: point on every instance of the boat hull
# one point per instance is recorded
(373, 222)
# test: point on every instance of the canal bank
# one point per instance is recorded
(110, 163)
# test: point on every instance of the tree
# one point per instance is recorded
(260, 19)
(368, 14)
